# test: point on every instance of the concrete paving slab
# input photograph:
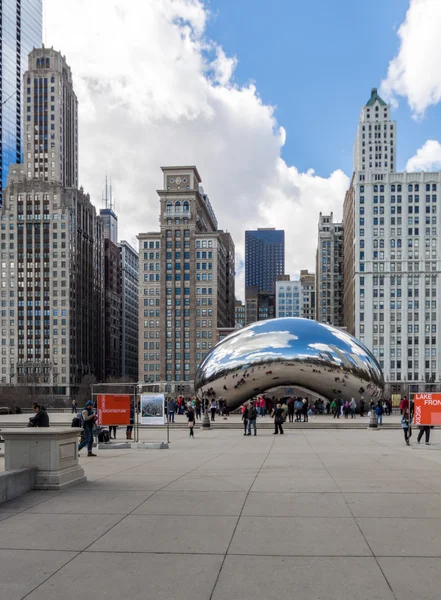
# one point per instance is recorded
(133, 576)
(403, 537)
(6, 515)
(413, 578)
(394, 505)
(293, 536)
(381, 486)
(53, 532)
(131, 481)
(269, 483)
(147, 533)
(212, 483)
(92, 503)
(193, 503)
(26, 501)
(283, 504)
(21, 571)
(302, 578)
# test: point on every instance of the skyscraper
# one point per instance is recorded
(186, 272)
(51, 247)
(264, 258)
(50, 120)
(21, 30)
(392, 252)
(329, 271)
(129, 310)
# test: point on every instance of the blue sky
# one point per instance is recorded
(316, 61)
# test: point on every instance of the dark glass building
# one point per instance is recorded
(264, 258)
(21, 31)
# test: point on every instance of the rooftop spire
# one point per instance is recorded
(374, 97)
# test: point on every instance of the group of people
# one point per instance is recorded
(211, 405)
(249, 418)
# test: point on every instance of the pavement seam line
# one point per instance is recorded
(238, 519)
(357, 524)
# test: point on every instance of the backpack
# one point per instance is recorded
(378, 410)
(76, 422)
(104, 436)
(252, 414)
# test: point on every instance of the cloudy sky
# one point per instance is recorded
(263, 97)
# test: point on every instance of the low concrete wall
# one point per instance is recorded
(16, 483)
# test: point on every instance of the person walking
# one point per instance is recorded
(291, 410)
(424, 429)
(379, 411)
(305, 410)
(278, 419)
(74, 407)
(191, 419)
(129, 428)
(171, 409)
(352, 408)
(198, 408)
(252, 417)
(213, 408)
(406, 427)
(337, 408)
(89, 418)
(245, 418)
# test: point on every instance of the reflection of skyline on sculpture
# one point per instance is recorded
(290, 351)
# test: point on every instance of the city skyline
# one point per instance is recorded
(222, 123)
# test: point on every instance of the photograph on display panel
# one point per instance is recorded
(152, 409)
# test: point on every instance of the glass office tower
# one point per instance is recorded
(21, 31)
(264, 258)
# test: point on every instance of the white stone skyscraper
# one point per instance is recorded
(375, 144)
(392, 252)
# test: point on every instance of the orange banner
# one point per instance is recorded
(113, 409)
(427, 409)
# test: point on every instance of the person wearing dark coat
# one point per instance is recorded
(41, 418)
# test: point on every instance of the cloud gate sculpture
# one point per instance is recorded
(293, 352)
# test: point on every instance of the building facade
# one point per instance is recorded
(392, 256)
(112, 311)
(21, 31)
(288, 298)
(259, 305)
(129, 311)
(329, 271)
(240, 313)
(186, 282)
(307, 283)
(51, 258)
(296, 298)
(264, 258)
(51, 113)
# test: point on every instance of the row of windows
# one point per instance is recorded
(398, 187)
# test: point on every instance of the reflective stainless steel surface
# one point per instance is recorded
(295, 352)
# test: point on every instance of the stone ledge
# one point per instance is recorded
(16, 483)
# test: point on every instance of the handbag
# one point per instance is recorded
(191, 424)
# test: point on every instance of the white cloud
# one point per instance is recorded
(416, 70)
(154, 91)
(427, 158)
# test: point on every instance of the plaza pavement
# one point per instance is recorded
(311, 515)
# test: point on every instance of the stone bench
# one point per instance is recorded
(53, 451)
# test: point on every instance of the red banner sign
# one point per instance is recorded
(427, 409)
(113, 409)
